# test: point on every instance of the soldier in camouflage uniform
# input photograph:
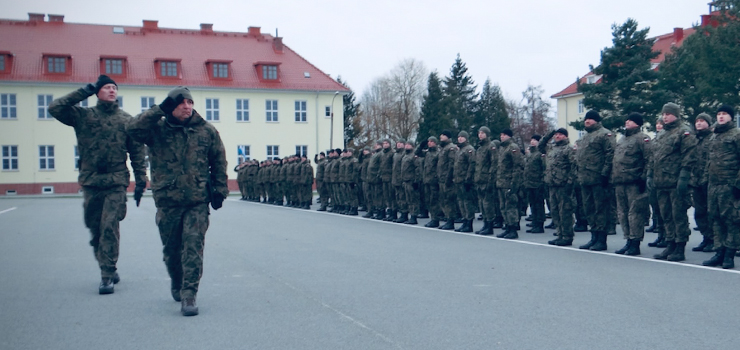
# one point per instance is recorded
(363, 159)
(670, 172)
(103, 148)
(534, 175)
(375, 184)
(327, 182)
(508, 182)
(445, 168)
(498, 220)
(560, 177)
(594, 156)
(306, 183)
(411, 177)
(484, 157)
(699, 183)
(398, 204)
(463, 173)
(343, 182)
(629, 174)
(723, 172)
(428, 150)
(240, 170)
(657, 225)
(254, 167)
(320, 188)
(386, 175)
(188, 165)
(337, 199)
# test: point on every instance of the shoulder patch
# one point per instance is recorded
(513, 151)
(647, 139)
(609, 134)
(686, 133)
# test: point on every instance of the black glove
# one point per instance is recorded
(736, 192)
(89, 89)
(604, 181)
(217, 200)
(168, 105)
(139, 192)
(640, 185)
(425, 144)
(682, 186)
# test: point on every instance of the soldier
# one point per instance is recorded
(306, 183)
(362, 161)
(188, 165)
(464, 171)
(594, 157)
(240, 170)
(334, 171)
(534, 172)
(323, 193)
(698, 183)
(723, 172)
(508, 181)
(103, 148)
(484, 157)
(327, 179)
(375, 184)
(445, 167)
(411, 177)
(398, 204)
(657, 225)
(560, 179)
(386, 174)
(498, 220)
(670, 172)
(429, 178)
(629, 173)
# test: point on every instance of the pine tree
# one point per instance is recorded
(460, 96)
(433, 117)
(626, 77)
(350, 113)
(491, 110)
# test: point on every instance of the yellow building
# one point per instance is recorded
(265, 100)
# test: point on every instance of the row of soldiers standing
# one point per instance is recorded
(289, 179)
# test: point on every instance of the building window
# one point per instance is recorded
(43, 106)
(581, 108)
(242, 110)
(10, 157)
(77, 158)
(83, 103)
(271, 110)
(146, 103)
(2, 63)
(113, 66)
(581, 133)
(56, 64)
(273, 152)
(7, 106)
(300, 111)
(46, 157)
(168, 69)
(301, 150)
(269, 72)
(327, 111)
(119, 99)
(212, 109)
(220, 70)
(243, 152)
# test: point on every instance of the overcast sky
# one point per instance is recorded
(514, 43)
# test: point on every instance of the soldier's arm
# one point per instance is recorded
(688, 154)
(608, 144)
(647, 156)
(470, 176)
(518, 159)
(542, 146)
(65, 108)
(137, 154)
(217, 162)
(141, 128)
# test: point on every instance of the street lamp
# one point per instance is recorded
(331, 130)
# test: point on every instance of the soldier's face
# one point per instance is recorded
(461, 139)
(431, 144)
(560, 137)
(109, 92)
(668, 118)
(408, 147)
(589, 122)
(184, 110)
(723, 117)
(630, 124)
(377, 146)
(534, 142)
(659, 126)
(386, 144)
(443, 138)
(482, 135)
(503, 137)
(701, 124)
(399, 145)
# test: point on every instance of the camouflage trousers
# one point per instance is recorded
(183, 233)
(103, 210)
(448, 200)
(509, 201)
(412, 197)
(400, 201)
(388, 195)
(673, 210)
(367, 196)
(561, 210)
(536, 199)
(724, 211)
(376, 195)
(657, 219)
(305, 193)
(466, 200)
(242, 188)
(699, 197)
(485, 199)
(632, 210)
(323, 193)
(579, 212)
(597, 206)
(431, 196)
(350, 194)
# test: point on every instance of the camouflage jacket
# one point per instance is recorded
(483, 159)
(560, 162)
(344, 171)
(446, 162)
(363, 168)
(631, 157)
(672, 152)
(702, 150)
(306, 173)
(430, 166)
(495, 144)
(464, 164)
(386, 164)
(187, 160)
(330, 163)
(411, 168)
(102, 141)
(723, 167)
(396, 175)
(534, 169)
(252, 172)
(320, 168)
(334, 174)
(510, 165)
(594, 155)
(373, 168)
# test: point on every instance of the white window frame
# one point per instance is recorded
(113, 66)
(8, 107)
(147, 102)
(8, 157)
(220, 70)
(243, 153)
(55, 64)
(168, 69)
(212, 110)
(581, 107)
(273, 152)
(242, 109)
(43, 101)
(301, 114)
(271, 111)
(269, 72)
(46, 158)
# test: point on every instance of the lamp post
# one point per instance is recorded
(331, 130)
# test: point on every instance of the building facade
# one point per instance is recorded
(265, 100)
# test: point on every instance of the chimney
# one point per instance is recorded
(36, 17)
(206, 28)
(277, 44)
(254, 31)
(56, 18)
(678, 34)
(150, 25)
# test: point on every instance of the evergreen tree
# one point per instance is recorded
(491, 110)
(626, 78)
(433, 117)
(350, 113)
(460, 96)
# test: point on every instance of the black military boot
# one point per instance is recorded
(378, 214)
(561, 242)
(424, 214)
(116, 278)
(402, 218)
(729, 260)
(670, 247)
(504, 232)
(411, 220)
(392, 215)
(634, 248)
(651, 228)
(175, 287)
(580, 226)
(369, 214)
(717, 259)
(497, 222)
(467, 226)
(322, 208)
(536, 228)
(678, 253)
(624, 249)
(551, 225)
(528, 218)
(106, 286)
(659, 240)
(306, 205)
(432, 223)
(612, 231)
(449, 225)
(459, 229)
(188, 307)
(600, 244)
(590, 243)
(486, 225)
(704, 243)
(512, 233)
(353, 211)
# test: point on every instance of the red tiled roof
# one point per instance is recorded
(27, 41)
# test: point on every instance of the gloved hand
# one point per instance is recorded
(604, 181)
(139, 192)
(424, 144)
(217, 200)
(89, 89)
(682, 186)
(169, 104)
(640, 185)
(649, 184)
(736, 192)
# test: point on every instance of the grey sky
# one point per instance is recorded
(515, 43)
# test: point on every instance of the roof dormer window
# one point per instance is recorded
(268, 71)
(219, 69)
(168, 68)
(6, 60)
(113, 65)
(57, 63)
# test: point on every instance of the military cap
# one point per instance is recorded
(103, 80)
(536, 137)
(508, 132)
(463, 134)
(485, 130)
(180, 92)
(432, 139)
(636, 118)
(671, 108)
(727, 109)
(447, 133)
(562, 131)
(593, 115)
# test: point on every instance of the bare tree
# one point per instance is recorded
(530, 115)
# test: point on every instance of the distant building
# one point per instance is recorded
(265, 99)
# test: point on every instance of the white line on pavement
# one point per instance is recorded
(7, 210)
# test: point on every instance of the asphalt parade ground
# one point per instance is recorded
(282, 278)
